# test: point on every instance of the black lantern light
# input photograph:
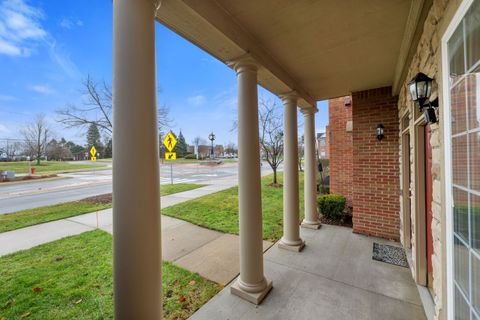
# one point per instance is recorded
(211, 137)
(380, 132)
(420, 88)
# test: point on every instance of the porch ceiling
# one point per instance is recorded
(321, 49)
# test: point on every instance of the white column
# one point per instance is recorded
(311, 219)
(136, 201)
(251, 285)
(291, 229)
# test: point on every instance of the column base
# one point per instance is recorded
(311, 225)
(255, 298)
(292, 247)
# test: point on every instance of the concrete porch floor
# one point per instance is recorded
(334, 277)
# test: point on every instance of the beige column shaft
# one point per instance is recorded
(251, 284)
(310, 175)
(136, 202)
(291, 228)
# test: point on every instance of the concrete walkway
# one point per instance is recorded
(214, 255)
(334, 277)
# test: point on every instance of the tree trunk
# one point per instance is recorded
(275, 176)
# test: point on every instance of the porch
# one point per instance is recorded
(335, 278)
(286, 50)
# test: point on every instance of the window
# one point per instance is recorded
(463, 48)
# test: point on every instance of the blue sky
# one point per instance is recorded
(48, 47)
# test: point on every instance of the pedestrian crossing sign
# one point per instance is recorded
(170, 156)
(170, 141)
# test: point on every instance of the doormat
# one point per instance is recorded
(389, 254)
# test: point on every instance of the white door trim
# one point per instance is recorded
(461, 11)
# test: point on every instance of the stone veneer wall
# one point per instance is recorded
(427, 59)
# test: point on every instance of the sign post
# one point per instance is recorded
(93, 158)
(170, 143)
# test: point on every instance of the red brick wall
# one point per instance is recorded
(376, 182)
(340, 148)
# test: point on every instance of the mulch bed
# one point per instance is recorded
(25, 178)
(275, 185)
(344, 221)
(101, 199)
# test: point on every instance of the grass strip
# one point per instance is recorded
(30, 217)
(71, 278)
(219, 211)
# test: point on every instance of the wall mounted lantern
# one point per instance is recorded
(380, 132)
(420, 88)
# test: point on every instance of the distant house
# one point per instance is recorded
(322, 145)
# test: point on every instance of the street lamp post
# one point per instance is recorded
(211, 137)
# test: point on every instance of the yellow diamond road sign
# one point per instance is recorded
(170, 141)
(170, 156)
(93, 151)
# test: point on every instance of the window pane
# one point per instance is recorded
(472, 28)
(476, 283)
(456, 52)
(461, 256)
(462, 311)
(458, 107)
(460, 160)
(474, 148)
(474, 99)
(475, 217)
(460, 213)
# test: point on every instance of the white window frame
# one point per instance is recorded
(454, 23)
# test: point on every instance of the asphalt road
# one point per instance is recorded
(79, 185)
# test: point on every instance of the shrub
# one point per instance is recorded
(324, 189)
(190, 156)
(331, 205)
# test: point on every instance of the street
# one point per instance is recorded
(79, 185)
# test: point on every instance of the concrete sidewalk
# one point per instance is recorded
(214, 255)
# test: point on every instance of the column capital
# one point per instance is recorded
(308, 111)
(291, 96)
(244, 63)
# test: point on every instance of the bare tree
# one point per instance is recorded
(11, 148)
(36, 135)
(271, 134)
(301, 152)
(196, 142)
(231, 149)
(97, 109)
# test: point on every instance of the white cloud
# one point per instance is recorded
(42, 88)
(4, 97)
(197, 100)
(69, 23)
(9, 49)
(4, 129)
(62, 58)
(21, 31)
(20, 28)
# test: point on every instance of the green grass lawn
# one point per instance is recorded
(219, 211)
(30, 217)
(71, 278)
(47, 166)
